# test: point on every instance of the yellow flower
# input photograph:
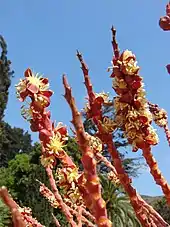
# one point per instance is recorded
(104, 95)
(95, 143)
(56, 144)
(119, 105)
(47, 161)
(72, 174)
(38, 81)
(119, 83)
(152, 138)
(108, 125)
(21, 86)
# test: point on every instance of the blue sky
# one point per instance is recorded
(44, 35)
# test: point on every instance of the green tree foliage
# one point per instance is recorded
(5, 77)
(20, 178)
(12, 141)
(5, 217)
(163, 209)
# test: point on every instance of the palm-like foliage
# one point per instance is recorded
(119, 209)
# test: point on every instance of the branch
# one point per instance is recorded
(92, 181)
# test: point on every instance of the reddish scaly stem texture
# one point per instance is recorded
(156, 173)
(54, 203)
(79, 217)
(92, 181)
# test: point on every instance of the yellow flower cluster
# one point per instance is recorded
(33, 79)
(128, 63)
(56, 144)
(95, 143)
(108, 125)
(131, 108)
(47, 161)
(67, 180)
(49, 196)
(103, 95)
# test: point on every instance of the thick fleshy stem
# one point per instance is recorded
(21, 216)
(59, 199)
(16, 215)
(85, 70)
(92, 181)
(156, 173)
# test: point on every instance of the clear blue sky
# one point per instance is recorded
(44, 35)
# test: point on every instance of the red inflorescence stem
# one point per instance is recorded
(92, 181)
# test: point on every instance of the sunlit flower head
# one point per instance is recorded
(56, 144)
(95, 143)
(33, 84)
(128, 63)
(35, 79)
(47, 161)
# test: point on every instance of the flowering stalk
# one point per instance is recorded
(92, 181)
(157, 217)
(132, 112)
(52, 138)
(107, 139)
(164, 23)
